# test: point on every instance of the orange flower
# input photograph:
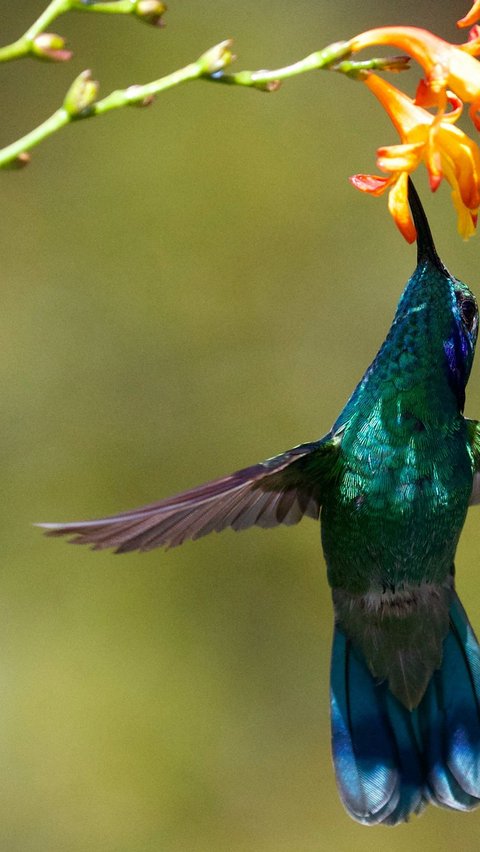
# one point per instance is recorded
(445, 149)
(473, 15)
(447, 66)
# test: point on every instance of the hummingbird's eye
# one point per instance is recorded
(468, 311)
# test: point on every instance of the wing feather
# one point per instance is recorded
(280, 490)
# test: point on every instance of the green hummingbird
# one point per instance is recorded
(391, 483)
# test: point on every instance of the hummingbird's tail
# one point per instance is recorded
(390, 761)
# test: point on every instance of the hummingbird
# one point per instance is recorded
(391, 483)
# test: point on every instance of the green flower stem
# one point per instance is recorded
(358, 70)
(15, 50)
(210, 62)
(9, 155)
(330, 58)
(53, 10)
(143, 94)
(209, 66)
(23, 45)
(115, 7)
(270, 80)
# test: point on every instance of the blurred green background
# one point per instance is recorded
(186, 290)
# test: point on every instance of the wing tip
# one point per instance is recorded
(80, 532)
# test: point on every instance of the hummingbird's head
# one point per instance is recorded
(451, 313)
(421, 371)
(459, 347)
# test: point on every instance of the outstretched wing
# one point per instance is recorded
(280, 490)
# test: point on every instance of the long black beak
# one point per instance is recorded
(425, 246)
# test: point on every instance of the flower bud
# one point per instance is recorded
(265, 85)
(132, 97)
(394, 63)
(151, 11)
(18, 162)
(217, 57)
(81, 94)
(51, 46)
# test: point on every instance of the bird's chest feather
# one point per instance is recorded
(399, 503)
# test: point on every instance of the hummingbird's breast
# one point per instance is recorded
(390, 528)
(398, 506)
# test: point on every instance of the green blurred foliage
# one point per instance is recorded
(188, 289)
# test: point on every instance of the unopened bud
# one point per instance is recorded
(217, 57)
(81, 94)
(151, 11)
(133, 97)
(394, 63)
(18, 162)
(51, 46)
(265, 85)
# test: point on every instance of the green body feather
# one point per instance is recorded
(392, 520)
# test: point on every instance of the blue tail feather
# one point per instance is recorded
(405, 734)
(367, 775)
(455, 721)
(390, 761)
(441, 786)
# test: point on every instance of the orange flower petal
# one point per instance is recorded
(446, 65)
(472, 16)
(474, 113)
(372, 184)
(398, 206)
(433, 158)
(434, 179)
(425, 97)
(466, 221)
(472, 46)
(456, 109)
(400, 158)
(402, 110)
(461, 161)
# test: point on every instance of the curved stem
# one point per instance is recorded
(270, 80)
(330, 58)
(209, 61)
(53, 10)
(11, 154)
(114, 7)
(15, 50)
(210, 66)
(23, 45)
(143, 94)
